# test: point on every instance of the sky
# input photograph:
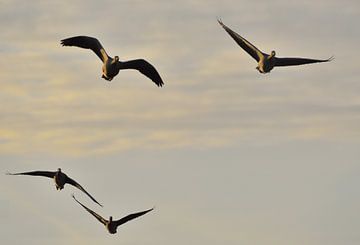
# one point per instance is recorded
(225, 154)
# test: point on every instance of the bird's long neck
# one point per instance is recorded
(115, 60)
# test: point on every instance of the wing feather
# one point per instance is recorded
(297, 61)
(131, 216)
(145, 68)
(97, 216)
(77, 185)
(87, 43)
(36, 173)
(243, 43)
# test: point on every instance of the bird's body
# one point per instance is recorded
(112, 66)
(266, 62)
(112, 225)
(59, 178)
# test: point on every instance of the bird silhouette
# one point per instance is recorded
(266, 62)
(112, 66)
(112, 225)
(60, 179)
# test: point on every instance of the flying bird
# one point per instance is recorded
(266, 62)
(112, 66)
(111, 225)
(60, 180)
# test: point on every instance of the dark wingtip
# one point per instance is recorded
(156, 78)
(73, 196)
(160, 84)
(220, 21)
(149, 210)
(331, 58)
(64, 42)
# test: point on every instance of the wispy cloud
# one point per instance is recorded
(54, 99)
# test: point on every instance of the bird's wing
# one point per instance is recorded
(88, 43)
(77, 185)
(36, 173)
(145, 68)
(97, 216)
(296, 61)
(243, 43)
(130, 217)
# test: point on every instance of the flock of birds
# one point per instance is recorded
(61, 179)
(112, 66)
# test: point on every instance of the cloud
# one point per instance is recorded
(55, 100)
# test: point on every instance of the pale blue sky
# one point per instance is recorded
(227, 155)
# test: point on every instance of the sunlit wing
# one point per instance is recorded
(297, 61)
(87, 43)
(77, 185)
(131, 216)
(36, 173)
(243, 43)
(97, 216)
(145, 68)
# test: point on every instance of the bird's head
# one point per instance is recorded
(116, 58)
(110, 218)
(272, 54)
(59, 169)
